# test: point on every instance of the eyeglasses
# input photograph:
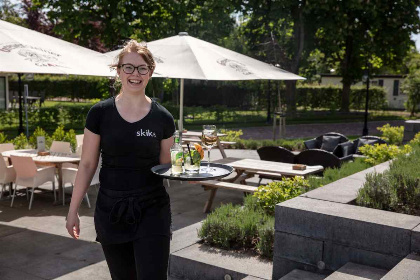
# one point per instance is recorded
(129, 69)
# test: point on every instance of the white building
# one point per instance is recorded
(391, 83)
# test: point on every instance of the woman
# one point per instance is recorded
(133, 134)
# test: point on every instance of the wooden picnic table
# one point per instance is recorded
(247, 168)
(54, 159)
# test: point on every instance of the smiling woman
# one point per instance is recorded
(133, 133)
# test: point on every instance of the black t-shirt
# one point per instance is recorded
(129, 150)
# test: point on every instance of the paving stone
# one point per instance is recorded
(7, 273)
(282, 267)
(407, 269)
(335, 256)
(297, 248)
(348, 225)
(203, 262)
(298, 274)
(97, 271)
(8, 230)
(415, 239)
(353, 271)
(184, 237)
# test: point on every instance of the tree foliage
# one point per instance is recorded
(353, 32)
(411, 84)
(10, 12)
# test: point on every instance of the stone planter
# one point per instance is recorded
(322, 230)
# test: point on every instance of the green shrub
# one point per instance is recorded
(232, 135)
(61, 135)
(250, 144)
(40, 132)
(416, 139)
(397, 189)
(240, 227)
(275, 192)
(392, 134)
(382, 152)
(21, 142)
(3, 138)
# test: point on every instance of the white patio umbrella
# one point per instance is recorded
(26, 51)
(186, 57)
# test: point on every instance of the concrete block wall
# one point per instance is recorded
(321, 231)
(411, 128)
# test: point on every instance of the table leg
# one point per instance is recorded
(209, 202)
(221, 149)
(60, 182)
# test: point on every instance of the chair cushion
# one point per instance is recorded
(346, 148)
(329, 143)
(361, 142)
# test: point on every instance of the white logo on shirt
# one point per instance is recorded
(146, 133)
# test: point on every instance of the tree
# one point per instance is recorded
(411, 84)
(280, 32)
(9, 12)
(36, 19)
(354, 32)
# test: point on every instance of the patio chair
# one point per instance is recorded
(29, 176)
(277, 154)
(318, 157)
(327, 142)
(6, 147)
(69, 177)
(349, 148)
(7, 176)
(61, 147)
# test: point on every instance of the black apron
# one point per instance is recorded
(124, 216)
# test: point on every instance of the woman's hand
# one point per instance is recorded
(73, 225)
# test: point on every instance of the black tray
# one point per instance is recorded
(164, 170)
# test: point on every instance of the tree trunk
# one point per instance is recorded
(269, 102)
(345, 98)
(290, 96)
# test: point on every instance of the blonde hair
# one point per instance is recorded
(141, 49)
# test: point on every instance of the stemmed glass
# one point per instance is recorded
(209, 140)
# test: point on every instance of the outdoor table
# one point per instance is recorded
(247, 168)
(195, 137)
(54, 159)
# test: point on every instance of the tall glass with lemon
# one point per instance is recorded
(176, 155)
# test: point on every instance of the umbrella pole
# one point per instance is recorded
(20, 130)
(181, 106)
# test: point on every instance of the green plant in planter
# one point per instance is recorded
(379, 153)
(392, 134)
(273, 193)
(21, 142)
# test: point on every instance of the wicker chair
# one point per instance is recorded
(321, 142)
(277, 154)
(350, 149)
(318, 157)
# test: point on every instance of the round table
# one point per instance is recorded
(54, 159)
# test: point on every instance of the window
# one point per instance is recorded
(381, 83)
(396, 88)
(2, 93)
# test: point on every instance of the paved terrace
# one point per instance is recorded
(35, 244)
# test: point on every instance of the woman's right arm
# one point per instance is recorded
(86, 170)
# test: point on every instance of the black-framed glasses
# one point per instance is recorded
(129, 68)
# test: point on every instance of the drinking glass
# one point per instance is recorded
(209, 140)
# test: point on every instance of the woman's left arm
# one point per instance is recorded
(165, 153)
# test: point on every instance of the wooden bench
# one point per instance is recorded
(213, 185)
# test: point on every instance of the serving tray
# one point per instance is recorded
(220, 171)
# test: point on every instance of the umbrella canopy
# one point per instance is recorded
(26, 51)
(186, 57)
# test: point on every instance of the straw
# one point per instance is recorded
(189, 151)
